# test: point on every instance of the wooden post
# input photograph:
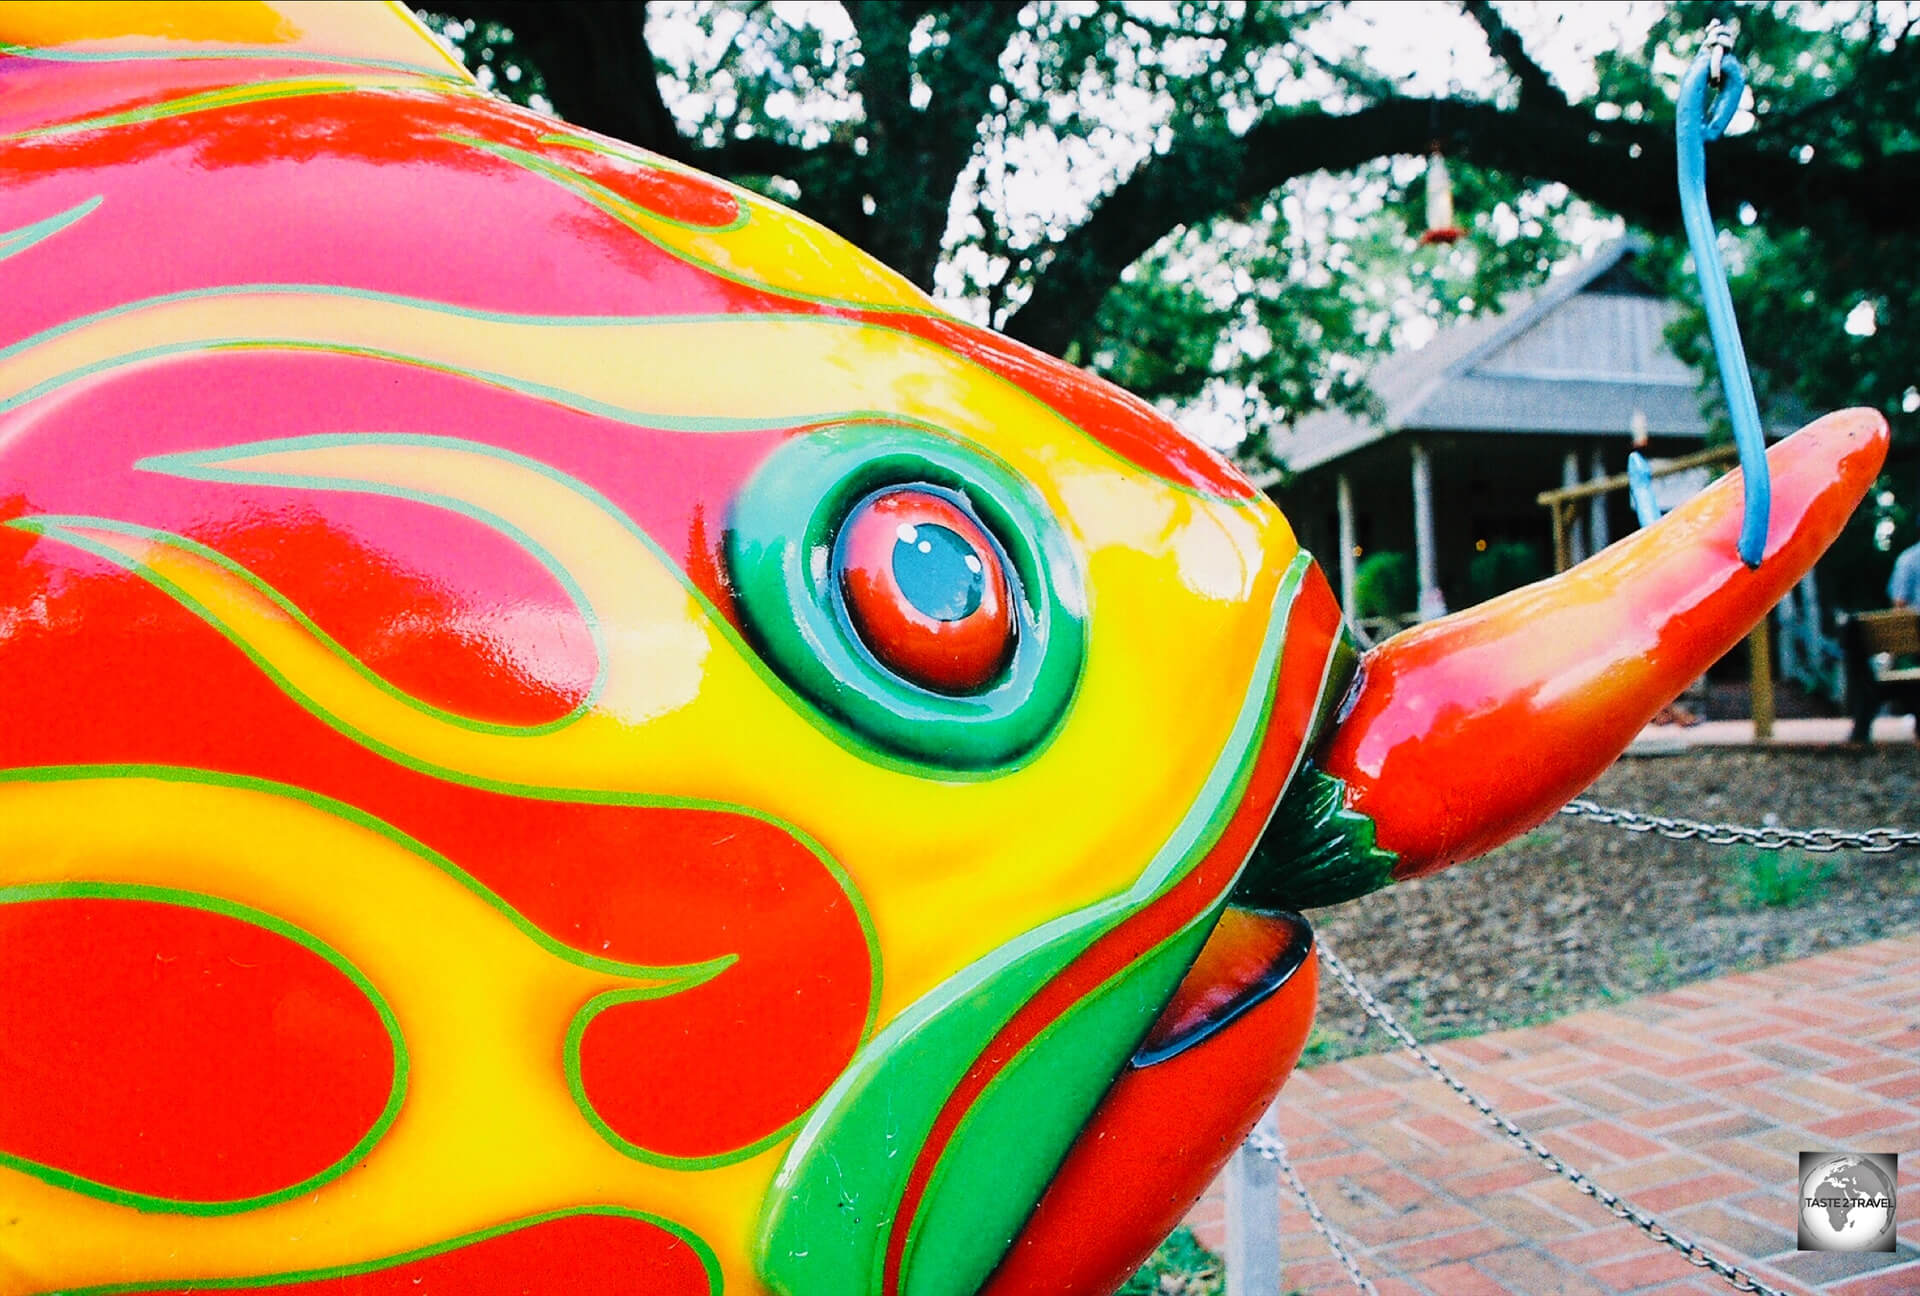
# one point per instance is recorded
(1562, 549)
(1576, 534)
(1599, 530)
(1349, 541)
(1426, 549)
(1760, 675)
(1253, 1220)
(1562, 503)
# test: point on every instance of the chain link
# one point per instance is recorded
(1696, 1254)
(1873, 841)
(1268, 1147)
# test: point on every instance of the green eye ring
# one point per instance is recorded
(783, 555)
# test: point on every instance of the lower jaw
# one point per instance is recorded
(1213, 1063)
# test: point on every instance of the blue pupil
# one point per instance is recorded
(938, 571)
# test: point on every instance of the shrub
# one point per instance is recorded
(1504, 566)
(1181, 1267)
(1384, 585)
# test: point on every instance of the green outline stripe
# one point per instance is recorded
(689, 975)
(606, 200)
(599, 195)
(694, 1241)
(201, 101)
(1227, 784)
(248, 53)
(206, 465)
(15, 241)
(841, 737)
(664, 422)
(576, 1085)
(255, 918)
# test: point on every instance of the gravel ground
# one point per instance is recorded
(1576, 914)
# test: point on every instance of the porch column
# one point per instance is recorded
(1598, 531)
(1349, 539)
(1570, 476)
(1426, 553)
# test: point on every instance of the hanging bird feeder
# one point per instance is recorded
(1440, 225)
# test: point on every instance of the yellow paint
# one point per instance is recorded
(1178, 587)
(1174, 579)
(774, 371)
(774, 248)
(356, 29)
(488, 1131)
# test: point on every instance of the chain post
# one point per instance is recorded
(1267, 1146)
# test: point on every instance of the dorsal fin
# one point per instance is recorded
(378, 32)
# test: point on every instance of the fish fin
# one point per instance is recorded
(1316, 852)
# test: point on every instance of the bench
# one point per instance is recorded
(1865, 636)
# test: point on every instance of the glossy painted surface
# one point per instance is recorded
(382, 470)
(1168, 1125)
(926, 590)
(475, 731)
(1469, 730)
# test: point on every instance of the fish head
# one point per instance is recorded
(866, 716)
(829, 783)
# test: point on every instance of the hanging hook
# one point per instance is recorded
(1719, 39)
(1640, 489)
(1694, 125)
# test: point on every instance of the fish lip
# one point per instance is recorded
(1179, 1027)
(1168, 1123)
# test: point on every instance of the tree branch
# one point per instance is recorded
(917, 152)
(590, 56)
(1627, 167)
(594, 57)
(1537, 89)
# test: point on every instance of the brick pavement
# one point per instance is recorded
(1691, 1104)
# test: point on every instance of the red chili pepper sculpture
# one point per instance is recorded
(563, 730)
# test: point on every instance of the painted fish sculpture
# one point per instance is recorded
(563, 730)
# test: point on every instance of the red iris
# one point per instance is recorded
(926, 589)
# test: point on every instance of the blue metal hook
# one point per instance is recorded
(1640, 489)
(1694, 126)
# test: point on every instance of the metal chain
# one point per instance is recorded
(1874, 841)
(1696, 1254)
(1268, 1147)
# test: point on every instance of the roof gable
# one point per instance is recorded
(1581, 355)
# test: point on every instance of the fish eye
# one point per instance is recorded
(913, 592)
(926, 589)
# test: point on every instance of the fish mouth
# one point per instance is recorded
(1212, 1062)
(925, 1162)
(1227, 1031)
(1402, 775)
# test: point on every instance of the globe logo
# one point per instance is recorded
(1847, 1201)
